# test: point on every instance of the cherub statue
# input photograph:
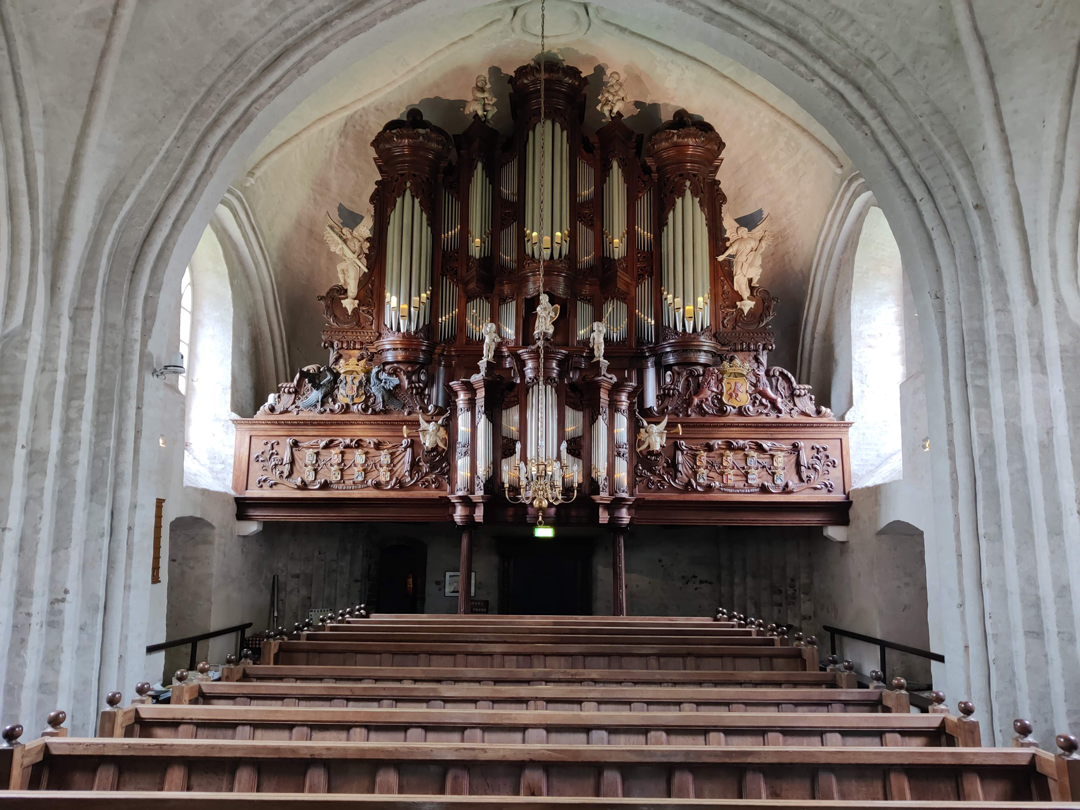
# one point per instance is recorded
(652, 438)
(744, 249)
(482, 104)
(432, 434)
(546, 313)
(351, 245)
(612, 96)
(596, 340)
(491, 338)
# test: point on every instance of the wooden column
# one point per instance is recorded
(618, 571)
(464, 600)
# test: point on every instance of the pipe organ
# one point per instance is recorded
(652, 399)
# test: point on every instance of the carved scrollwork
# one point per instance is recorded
(754, 389)
(350, 465)
(763, 311)
(737, 466)
(353, 386)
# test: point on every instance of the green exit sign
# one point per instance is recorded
(544, 531)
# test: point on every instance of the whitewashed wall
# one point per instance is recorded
(123, 124)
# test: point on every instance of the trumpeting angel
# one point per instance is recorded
(745, 248)
(351, 245)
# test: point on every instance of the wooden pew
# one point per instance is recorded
(604, 771)
(349, 633)
(543, 656)
(544, 727)
(540, 698)
(85, 800)
(549, 620)
(631, 631)
(538, 677)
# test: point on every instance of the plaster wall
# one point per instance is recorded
(875, 581)
(123, 124)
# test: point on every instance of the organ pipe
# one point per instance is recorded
(507, 319)
(615, 213)
(600, 453)
(555, 171)
(686, 265)
(408, 265)
(479, 213)
(483, 451)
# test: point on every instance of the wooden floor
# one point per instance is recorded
(428, 712)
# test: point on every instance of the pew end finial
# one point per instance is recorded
(54, 724)
(1024, 730)
(11, 735)
(937, 703)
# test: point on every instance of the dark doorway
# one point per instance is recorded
(545, 578)
(401, 578)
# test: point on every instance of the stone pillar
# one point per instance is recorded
(618, 571)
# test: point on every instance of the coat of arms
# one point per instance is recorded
(736, 391)
(352, 383)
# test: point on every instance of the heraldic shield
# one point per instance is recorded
(352, 384)
(736, 388)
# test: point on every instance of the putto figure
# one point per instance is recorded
(351, 245)
(491, 340)
(596, 340)
(744, 249)
(546, 313)
(482, 104)
(652, 438)
(432, 434)
(612, 97)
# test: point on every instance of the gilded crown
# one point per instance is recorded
(735, 366)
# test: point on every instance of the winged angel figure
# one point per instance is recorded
(652, 438)
(432, 434)
(351, 245)
(744, 249)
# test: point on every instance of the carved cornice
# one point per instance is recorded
(412, 133)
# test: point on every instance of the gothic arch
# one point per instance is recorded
(815, 52)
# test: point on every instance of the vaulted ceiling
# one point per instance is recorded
(777, 156)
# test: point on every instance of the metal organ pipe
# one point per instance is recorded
(686, 266)
(615, 213)
(409, 250)
(479, 213)
(555, 169)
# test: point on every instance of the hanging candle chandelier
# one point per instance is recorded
(543, 479)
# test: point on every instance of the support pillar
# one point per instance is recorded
(464, 600)
(618, 571)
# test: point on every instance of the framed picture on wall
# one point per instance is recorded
(452, 584)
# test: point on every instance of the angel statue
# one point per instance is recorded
(491, 338)
(596, 340)
(744, 249)
(612, 96)
(482, 104)
(652, 438)
(546, 313)
(432, 434)
(351, 245)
